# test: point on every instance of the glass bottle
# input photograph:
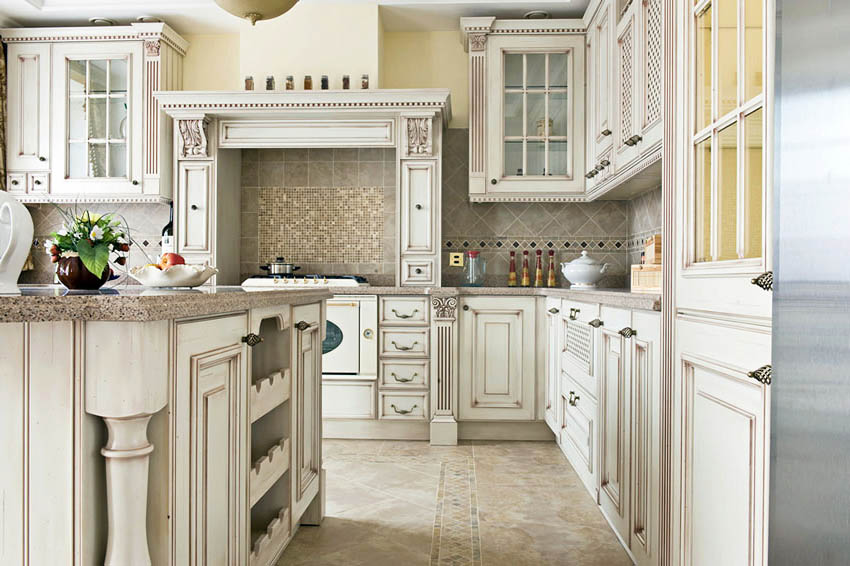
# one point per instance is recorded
(325, 82)
(168, 233)
(553, 277)
(538, 270)
(474, 268)
(249, 82)
(364, 82)
(512, 270)
(308, 82)
(290, 82)
(346, 82)
(526, 278)
(270, 82)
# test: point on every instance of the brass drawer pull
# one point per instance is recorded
(765, 281)
(573, 398)
(404, 379)
(405, 316)
(302, 326)
(764, 374)
(606, 132)
(403, 411)
(405, 348)
(596, 323)
(573, 313)
(627, 332)
(252, 339)
(553, 310)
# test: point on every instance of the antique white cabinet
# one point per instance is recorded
(83, 124)
(552, 399)
(497, 358)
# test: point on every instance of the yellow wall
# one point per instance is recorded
(212, 63)
(314, 39)
(428, 60)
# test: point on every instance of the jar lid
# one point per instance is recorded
(473, 253)
(584, 260)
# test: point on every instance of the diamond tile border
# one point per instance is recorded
(456, 539)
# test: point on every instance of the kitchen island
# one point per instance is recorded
(145, 426)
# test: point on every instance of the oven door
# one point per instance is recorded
(341, 347)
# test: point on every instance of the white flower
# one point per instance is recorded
(63, 231)
(47, 245)
(78, 235)
(96, 233)
(122, 239)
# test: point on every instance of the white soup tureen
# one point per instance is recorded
(583, 272)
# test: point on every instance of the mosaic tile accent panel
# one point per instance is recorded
(321, 225)
(456, 540)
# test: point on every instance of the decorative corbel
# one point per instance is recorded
(193, 134)
(152, 47)
(420, 138)
(477, 41)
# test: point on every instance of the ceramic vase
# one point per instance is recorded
(74, 275)
(16, 232)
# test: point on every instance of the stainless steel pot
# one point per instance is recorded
(280, 267)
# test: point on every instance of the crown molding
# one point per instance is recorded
(137, 31)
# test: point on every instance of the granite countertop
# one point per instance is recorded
(140, 304)
(622, 298)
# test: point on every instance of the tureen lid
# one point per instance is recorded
(585, 259)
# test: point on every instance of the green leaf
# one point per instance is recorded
(94, 257)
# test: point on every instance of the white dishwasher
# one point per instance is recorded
(350, 358)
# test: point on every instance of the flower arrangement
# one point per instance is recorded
(92, 238)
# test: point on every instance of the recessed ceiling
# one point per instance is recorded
(203, 16)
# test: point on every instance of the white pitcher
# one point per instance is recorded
(16, 231)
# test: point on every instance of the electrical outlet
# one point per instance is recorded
(456, 260)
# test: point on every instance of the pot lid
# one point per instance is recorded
(585, 259)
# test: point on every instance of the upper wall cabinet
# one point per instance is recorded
(527, 125)
(83, 123)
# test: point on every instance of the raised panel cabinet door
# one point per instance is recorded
(211, 453)
(28, 106)
(194, 206)
(645, 367)
(307, 393)
(614, 420)
(497, 358)
(602, 34)
(627, 120)
(418, 211)
(553, 357)
(651, 73)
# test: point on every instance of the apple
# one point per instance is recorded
(170, 260)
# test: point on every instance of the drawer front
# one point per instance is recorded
(16, 183)
(583, 312)
(404, 406)
(404, 342)
(577, 354)
(578, 427)
(38, 183)
(404, 374)
(404, 311)
(418, 271)
(348, 399)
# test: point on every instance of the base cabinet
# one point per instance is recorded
(497, 365)
(552, 398)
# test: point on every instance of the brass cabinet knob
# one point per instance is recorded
(14, 181)
(493, 181)
(553, 310)
(135, 182)
(627, 332)
(765, 281)
(42, 158)
(606, 132)
(596, 323)
(252, 339)
(368, 333)
(418, 271)
(301, 326)
(764, 374)
(194, 207)
(466, 307)
(37, 182)
(418, 207)
(605, 163)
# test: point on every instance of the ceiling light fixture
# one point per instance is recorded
(536, 15)
(253, 10)
(101, 21)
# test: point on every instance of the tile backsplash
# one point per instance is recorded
(331, 211)
(607, 229)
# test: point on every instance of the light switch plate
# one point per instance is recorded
(456, 260)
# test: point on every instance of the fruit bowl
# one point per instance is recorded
(175, 276)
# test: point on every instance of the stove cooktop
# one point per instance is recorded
(302, 281)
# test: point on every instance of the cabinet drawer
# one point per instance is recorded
(38, 182)
(418, 271)
(577, 434)
(405, 374)
(577, 355)
(401, 405)
(348, 399)
(404, 311)
(404, 342)
(16, 182)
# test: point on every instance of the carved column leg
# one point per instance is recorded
(444, 371)
(127, 454)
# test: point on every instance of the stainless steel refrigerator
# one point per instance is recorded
(810, 427)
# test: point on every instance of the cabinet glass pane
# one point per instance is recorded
(117, 118)
(702, 201)
(97, 76)
(753, 183)
(703, 69)
(558, 114)
(558, 70)
(536, 112)
(513, 158)
(77, 129)
(535, 70)
(117, 160)
(753, 55)
(77, 160)
(97, 118)
(513, 70)
(727, 193)
(97, 160)
(77, 77)
(536, 158)
(558, 158)
(513, 114)
(118, 76)
(727, 55)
